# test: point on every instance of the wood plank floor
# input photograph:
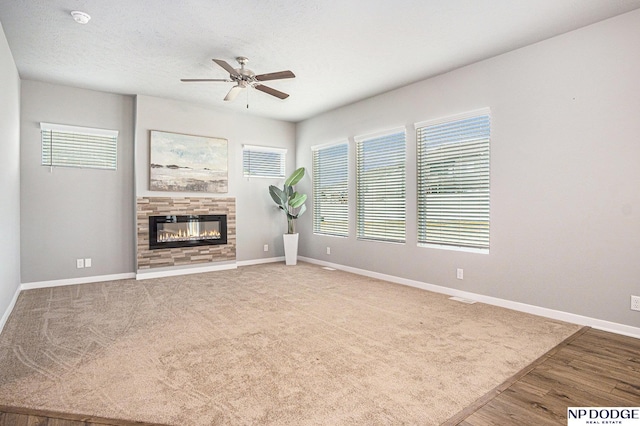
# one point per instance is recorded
(592, 368)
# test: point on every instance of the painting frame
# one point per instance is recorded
(181, 162)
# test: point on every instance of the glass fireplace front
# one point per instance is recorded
(187, 231)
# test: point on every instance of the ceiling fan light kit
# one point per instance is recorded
(245, 78)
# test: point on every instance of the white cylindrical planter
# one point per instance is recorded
(290, 248)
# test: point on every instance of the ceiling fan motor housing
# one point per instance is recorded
(244, 74)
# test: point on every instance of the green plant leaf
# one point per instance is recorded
(296, 200)
(295, 177)
(278, 196)
(288, 191)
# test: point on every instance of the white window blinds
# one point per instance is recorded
(453, 181)
(262, 161)
(330, 190)
(380, 186)
(72, 146)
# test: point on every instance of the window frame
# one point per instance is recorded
(86, 143)
(378, 212)
(482, 208)
(282, 152)
(341, 213)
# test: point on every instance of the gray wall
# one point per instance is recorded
(71, 213)
(9, 176)
(565, 174)
(258, 220)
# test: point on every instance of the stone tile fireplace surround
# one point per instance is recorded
(161, 206)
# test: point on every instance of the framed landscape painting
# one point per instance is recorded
(188, 163)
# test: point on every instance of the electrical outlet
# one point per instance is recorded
(87, 262)
(460, 274)
(635, 303)
(328, 250)
(266, 247)
(79, 263)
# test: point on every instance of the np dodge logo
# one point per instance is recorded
(626, 416)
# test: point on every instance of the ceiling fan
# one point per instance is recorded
(245, 78)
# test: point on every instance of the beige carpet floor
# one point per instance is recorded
(266, 344)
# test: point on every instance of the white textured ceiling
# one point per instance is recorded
(340, 50)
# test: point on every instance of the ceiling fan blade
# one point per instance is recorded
(226, 66)
(271, 91)
(191, 80)
(233, 93)
(275, 76)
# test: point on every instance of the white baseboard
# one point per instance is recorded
(517, 306)
(260, 261)
(599, 324)
(184, 271)
(74, 281)
(9, 309)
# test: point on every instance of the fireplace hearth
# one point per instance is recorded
(175, 231)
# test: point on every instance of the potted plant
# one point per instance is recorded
(292, 203)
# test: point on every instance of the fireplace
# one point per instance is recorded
(187, 231)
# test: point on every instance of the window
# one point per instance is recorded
(71, 146)
(453, 181)
(330, 190)
(380, 186)
(263, 161)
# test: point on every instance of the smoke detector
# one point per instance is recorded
(80, 17)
